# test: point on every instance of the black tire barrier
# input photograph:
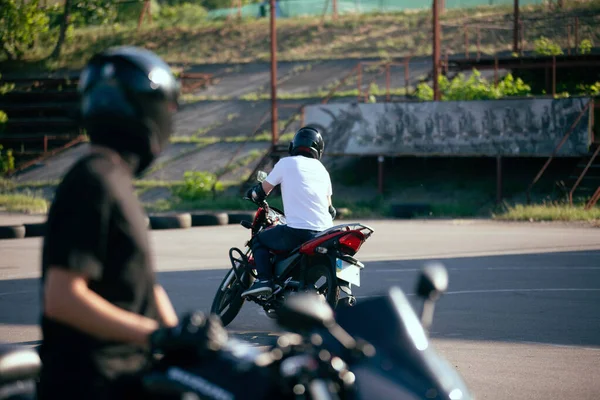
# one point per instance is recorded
(171, 221)
(12, 232)
(237, 217)
(212, 219)
(410, 210)
(35, 230)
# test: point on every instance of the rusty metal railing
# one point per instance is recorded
(47, 154)
(556, 149)
(592, 202)
(582, 175)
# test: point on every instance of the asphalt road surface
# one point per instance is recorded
(520, 319)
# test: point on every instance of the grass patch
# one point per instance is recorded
(23, 203)
(548, 212)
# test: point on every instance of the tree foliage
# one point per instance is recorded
(21, 24)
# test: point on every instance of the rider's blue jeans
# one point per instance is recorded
(278, 238)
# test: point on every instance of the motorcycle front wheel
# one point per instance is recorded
(228, 300)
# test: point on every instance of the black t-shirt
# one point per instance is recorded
(96, 226)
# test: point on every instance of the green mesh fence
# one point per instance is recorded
(297, 8)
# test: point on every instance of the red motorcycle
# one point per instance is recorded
(325, 265)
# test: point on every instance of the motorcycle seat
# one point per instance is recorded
(18, 363)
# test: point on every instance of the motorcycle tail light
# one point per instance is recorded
(350, 243)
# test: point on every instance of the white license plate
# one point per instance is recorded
(348, 272)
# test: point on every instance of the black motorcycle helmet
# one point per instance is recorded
(307, 141)
(128, 98)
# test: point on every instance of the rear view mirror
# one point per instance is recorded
(433, 282)
(261, 176)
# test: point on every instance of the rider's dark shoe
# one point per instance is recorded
(259, 288)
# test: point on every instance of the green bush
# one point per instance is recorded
(7, 161)
(585, 47)
(21, 24)
(474, 88)
(197, 185)
(3, 120)
(547, 47)
(182, 14)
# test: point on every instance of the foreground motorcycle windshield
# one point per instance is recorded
(406, 366)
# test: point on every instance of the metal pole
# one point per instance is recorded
(553, 75)
(359, 80)
(406, 76)
(498, 179)
(569, 39)
(516, 28)
(273, 75)
(478, 43)
(436, 51)
(380, 160)
(496, 70)
(387, 82)
(335, 10)
(576, 34)
(466, 42)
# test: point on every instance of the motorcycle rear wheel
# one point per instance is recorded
(329, 289)
(228, 303)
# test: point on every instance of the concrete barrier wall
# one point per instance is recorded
(519, 127)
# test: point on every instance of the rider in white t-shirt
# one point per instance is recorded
(306, 191)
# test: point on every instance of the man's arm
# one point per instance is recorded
(166, 311)
(68, 299)
(267, 187)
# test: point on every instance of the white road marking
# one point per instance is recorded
(18, 292)
(499, 291)
(484, 269)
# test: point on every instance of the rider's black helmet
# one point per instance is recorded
(128, 98)
(307, 140)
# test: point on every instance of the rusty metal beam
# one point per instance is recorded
(556, 149)
(499, 179)
(273, 75)
(585, 170)
(344, 79)
(516, 28)
(436, 50)
(592, 202)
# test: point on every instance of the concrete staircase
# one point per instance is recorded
(42, 118)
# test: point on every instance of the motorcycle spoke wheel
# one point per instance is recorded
(228, 303)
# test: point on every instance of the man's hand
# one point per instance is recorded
(257, 193)
(196, 332)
